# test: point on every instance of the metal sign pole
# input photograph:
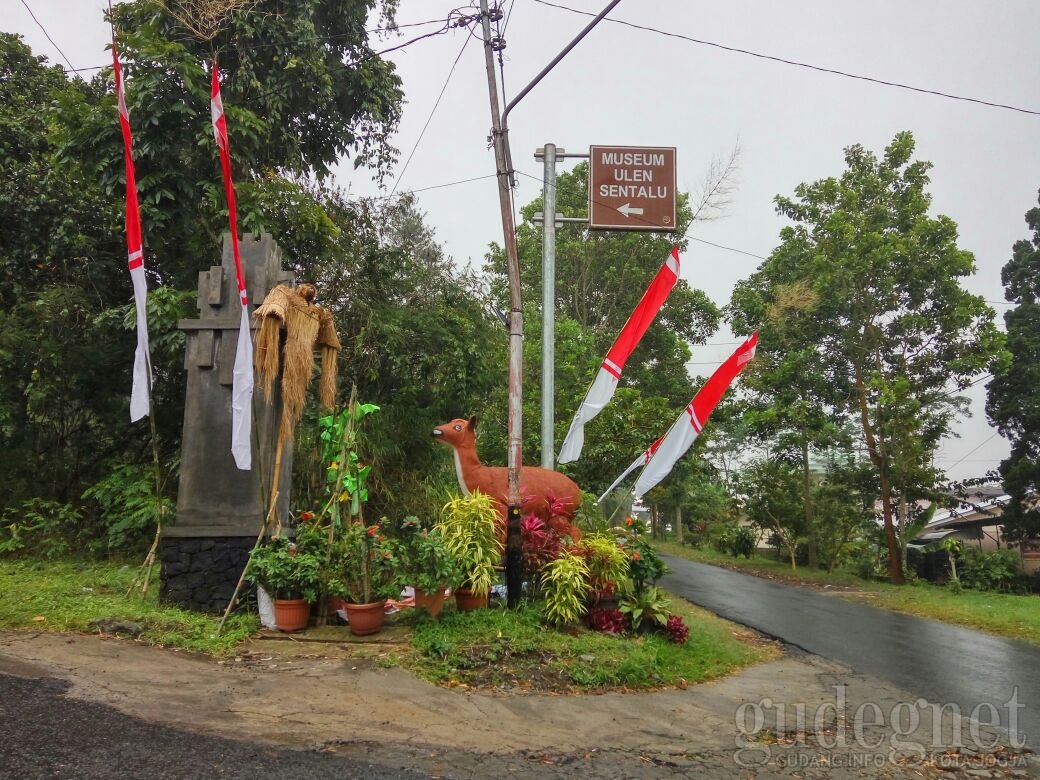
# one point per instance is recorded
(548, 304)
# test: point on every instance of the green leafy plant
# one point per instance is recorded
(424, 559)
(645, 566)
(469, 527)
(286, 570)
(364, 565)
(607, 561)
(130, 509)
(646, 608)
(565, 583)
(40, 527)
(989, 570)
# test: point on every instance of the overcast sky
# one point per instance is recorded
(627, 86)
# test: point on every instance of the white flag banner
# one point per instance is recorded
(242, 395)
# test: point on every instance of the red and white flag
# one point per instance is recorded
(642, 460)
(687, 428)
(142, 377)
(242, 378)
(606, 382)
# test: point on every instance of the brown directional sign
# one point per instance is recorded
(632, 187)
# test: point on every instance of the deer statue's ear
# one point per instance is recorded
(473, 423)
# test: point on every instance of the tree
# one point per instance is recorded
(302, 88)
(417, 334)
(893, 333)
(1013, 402)
(771, 491)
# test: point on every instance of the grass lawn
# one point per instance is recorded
(514, 650)
(67, 595)
(1003, 614)
(492, 648)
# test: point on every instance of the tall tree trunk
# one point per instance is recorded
(678, 524)
(895, 566)
(810, 519)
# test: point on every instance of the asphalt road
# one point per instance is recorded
(941, 663)
(47, 735)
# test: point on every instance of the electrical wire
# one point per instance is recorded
(637, 218)
(436, 103)
(974, 449)
(47, 34)
(509, 15)
(795, 63)
(324, 38)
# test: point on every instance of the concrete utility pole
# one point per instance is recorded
(500, 140)
(504, 166)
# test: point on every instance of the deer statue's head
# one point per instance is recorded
(459, 433)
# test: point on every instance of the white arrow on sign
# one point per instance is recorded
(629, 210)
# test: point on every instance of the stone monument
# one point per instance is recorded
(220, 508)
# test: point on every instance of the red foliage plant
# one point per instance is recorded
(677, 630)
(609, 620)
(539, 544)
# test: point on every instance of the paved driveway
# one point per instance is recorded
(941, 663)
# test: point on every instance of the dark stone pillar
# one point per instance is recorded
(220, 508)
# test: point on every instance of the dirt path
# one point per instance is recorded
(331, 698)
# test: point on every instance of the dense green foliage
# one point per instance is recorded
(417, 338)
(1013, 404)
(863, 317)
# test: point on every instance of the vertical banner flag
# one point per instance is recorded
(242, 382)
(606, 382)
(642, 460)
(139, 395)
(687, 428)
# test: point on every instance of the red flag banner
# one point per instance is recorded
(242, 377)
(606, 382)
(687, 428)
(139, 392)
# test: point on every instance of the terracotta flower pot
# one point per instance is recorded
(431, 601)
(365, 619)
(291, 614)
(466, 600)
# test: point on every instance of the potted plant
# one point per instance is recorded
(365, 564)
(469, 526)
(291, 575)
(427, 565)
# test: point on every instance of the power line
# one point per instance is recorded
(437, 186)
(324, 38)
(47, 34)
(636, 217)
(798, 64)
(973, 450)
(436, 103)
(509, 16)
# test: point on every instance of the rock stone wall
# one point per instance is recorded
(200, 574)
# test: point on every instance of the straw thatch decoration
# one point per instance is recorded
(205, 19)
(306, 326)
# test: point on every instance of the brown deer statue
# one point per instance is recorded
(548, 494)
